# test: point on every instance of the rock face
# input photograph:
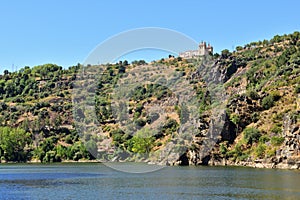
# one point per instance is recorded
(256, 100)
(229, 132)
(288, 156)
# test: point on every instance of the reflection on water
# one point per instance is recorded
(96, 181)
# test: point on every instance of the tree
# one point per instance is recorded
(276, 39)
(268, 102)
(216, 55)
(122, 69)
(13, 142)
(251, 135)
(294, 37)
(43, 73)
(239, 48)
(265, 42)
(10, 88)
(141, 142)
(260, 150)
(57, 122)
(6, 72)
(125, 63)
(225, 53)
(252, 94)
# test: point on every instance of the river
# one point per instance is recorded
(97, 181)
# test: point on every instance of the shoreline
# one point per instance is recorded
(63, 162)
(258, 165)
(261, 164)
(285, 166)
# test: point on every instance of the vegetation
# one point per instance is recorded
(271, 77)
(251, 135)
(142, 142)
(261, 80)
(13, 143)
(35, 104)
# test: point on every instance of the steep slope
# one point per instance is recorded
(239, 108)
(262, 80)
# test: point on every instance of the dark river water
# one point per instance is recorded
(97, 181)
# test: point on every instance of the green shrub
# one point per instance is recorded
(268, 102)
(260, 150)
(277, 141)
(234, 118)
(225, 53)
(239, 48)
(251, 135)
(13, 142)
(271, 152)
(244, 156)
(136, 115)
(276, 129)
(252, 94)
(170, 126)
(254, 117)
(141, 142)
(237, 153)
(49, 157)
(264, 139)
(223, 149)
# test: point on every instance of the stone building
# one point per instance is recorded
(202, 51)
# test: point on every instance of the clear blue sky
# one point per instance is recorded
(34, 32)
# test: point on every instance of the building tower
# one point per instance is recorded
(210, 49)
(202, 48)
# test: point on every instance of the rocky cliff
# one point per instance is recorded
(262, 118)
(237, 108)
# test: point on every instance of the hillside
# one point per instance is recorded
(263, 84)
(237, 108)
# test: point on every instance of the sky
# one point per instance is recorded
(63, 32)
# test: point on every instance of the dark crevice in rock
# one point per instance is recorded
(205, 160)
(183, 160)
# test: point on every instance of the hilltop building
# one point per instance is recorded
(202, 51)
